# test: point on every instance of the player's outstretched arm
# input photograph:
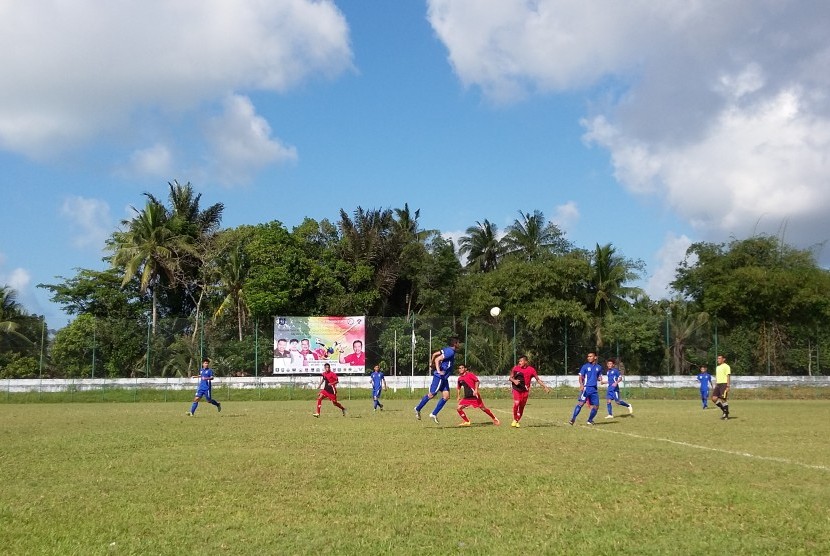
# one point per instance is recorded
(542, 384)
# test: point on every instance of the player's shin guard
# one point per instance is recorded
(577, 409)
(319, 405)
(488, 412)
(608, 406)
(592, 414)
(440, 406)
(462, 414)
(422, 403)
(625, 404)
(193, 407)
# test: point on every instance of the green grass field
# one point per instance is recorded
(265, 477)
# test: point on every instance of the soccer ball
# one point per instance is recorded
(495, 311)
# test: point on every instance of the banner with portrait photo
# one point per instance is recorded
(303, 344)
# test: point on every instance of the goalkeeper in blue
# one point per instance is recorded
(442, 362)
(378, 386)
(614, 377)
(205, 377)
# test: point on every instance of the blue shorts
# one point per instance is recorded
(376, 392)
(613, 395)
(203, 393)
(590, 395)
(439, 384)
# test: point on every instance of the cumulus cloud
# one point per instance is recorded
(241, 142)
(156, 160)
(16, 278)
(19, 280)
(61, 86)
(565, 216)
(668, 258)
(719, 109)
(89, 220)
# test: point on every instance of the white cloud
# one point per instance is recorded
(19, 280)
(74, 70)
(241, 142)
(566, 216)
(668, 258)
(156, 160)
(90, 221)
(720, 109)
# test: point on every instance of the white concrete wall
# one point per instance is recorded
(394, 382)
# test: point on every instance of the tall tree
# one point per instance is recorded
(482, 246)
(607, 289)
(530, 237)
(368, 241)
(11, 315)
(757, 286)
(197, 227)
(150, 248)
(231, 274)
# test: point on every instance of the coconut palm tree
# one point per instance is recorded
(11, 313)
(232, 271)
(482, 246)
(607, 289)
(368, 239)
(530, 237)
(149, 248)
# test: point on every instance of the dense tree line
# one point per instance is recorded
(178, 282)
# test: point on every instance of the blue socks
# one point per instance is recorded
(193, 407)
(423, 402)
(440, 405)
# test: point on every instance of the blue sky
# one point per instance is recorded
(647, 125)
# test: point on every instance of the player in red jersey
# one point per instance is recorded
(468, 382)
(519, 378)
(328, 389)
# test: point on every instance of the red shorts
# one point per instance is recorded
(471, 402)
(324, 394)
(520, 396)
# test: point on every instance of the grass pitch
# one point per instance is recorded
(265, 477)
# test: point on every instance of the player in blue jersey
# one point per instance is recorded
(205, 377)
(614, 377)
(590, 375)
(442, 362)
(705, 380)
(378, 385)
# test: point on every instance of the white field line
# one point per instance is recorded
(694, 446)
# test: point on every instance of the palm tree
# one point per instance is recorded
(482, 246)
(11, 313)
(232, 271)
(530, 237)
(411, 241)
(686, 327)
(188, 220)
(186, 211)
(150, 248)
(607, 290)
(368, 239)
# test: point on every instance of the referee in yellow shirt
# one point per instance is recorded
(723, 377)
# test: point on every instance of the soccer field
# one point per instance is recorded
(268, 478)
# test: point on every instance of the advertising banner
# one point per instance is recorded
(303, 344)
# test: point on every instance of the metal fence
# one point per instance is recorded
(104, 348)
